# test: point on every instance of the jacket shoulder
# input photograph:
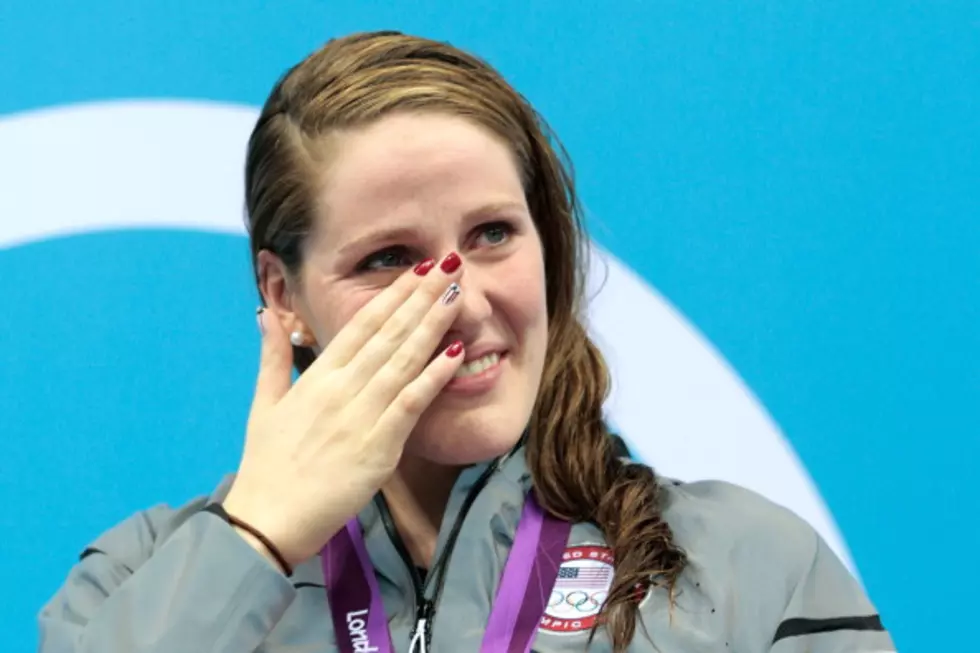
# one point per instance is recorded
(133, 540)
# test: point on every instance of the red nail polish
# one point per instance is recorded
(451, 263)
(423, 268)
(455, 349)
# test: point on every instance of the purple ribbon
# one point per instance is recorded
(352, 589)
(359, 620)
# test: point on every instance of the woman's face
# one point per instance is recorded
(416, 186)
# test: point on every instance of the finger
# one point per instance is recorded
(371, 318)
(402, 324)
(275, 363)
(397, 369)
(403, 413)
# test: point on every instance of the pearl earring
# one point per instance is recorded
(297, 338)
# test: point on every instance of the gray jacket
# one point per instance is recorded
(759, 579)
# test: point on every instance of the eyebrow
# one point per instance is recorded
(401, 233)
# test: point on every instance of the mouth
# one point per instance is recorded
(479, 365)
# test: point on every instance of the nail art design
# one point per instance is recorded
(452, 292)
(455, 349)
(451, 263)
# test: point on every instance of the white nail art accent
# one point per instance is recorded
(452, 292)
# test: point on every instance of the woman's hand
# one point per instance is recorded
(317, 451)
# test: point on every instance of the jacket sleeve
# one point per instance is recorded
(202, 588)
(828, 612)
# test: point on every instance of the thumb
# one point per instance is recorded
(275, 364)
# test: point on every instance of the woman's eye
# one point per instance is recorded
(489, 235)
(495, 234)
(393, 257)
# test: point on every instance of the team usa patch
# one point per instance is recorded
(584, 579)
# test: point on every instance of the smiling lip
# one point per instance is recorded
(477, 384)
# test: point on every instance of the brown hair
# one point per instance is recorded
(575, 465)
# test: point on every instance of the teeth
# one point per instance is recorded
(477, 366)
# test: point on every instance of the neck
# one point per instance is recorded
(417, 495)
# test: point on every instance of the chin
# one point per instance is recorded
(461, 438)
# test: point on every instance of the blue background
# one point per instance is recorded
(799, 179)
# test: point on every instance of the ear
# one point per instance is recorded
(281, 292)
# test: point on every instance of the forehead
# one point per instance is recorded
(413, 166)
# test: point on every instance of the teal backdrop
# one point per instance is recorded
(799, 180)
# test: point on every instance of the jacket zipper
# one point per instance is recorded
(425, 609)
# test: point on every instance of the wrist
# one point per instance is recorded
(260, 548)
(253, 537)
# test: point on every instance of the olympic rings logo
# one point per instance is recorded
(577, 600)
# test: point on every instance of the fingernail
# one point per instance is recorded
(451, 263)
(423, 268)
(455, 349)
(260, 318)
(452, 292)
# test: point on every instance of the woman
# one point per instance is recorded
(440, 476)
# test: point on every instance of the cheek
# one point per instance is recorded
(333, 308)
(525, 290)
(533, 304)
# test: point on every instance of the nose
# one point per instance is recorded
(476, 307)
